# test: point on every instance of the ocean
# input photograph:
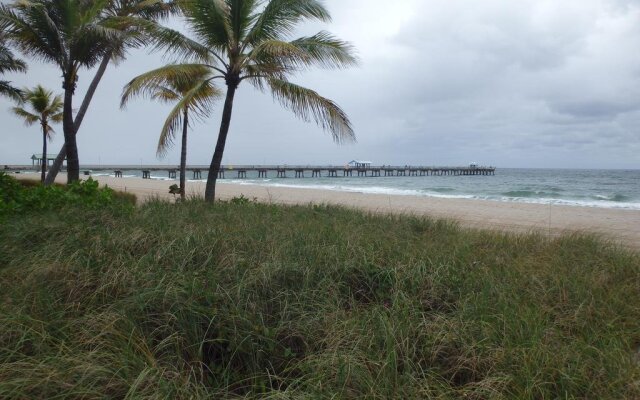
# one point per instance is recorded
(590, 188)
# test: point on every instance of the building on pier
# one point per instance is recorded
(359, 164)
(37, 159)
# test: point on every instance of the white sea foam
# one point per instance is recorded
(424, 193)
(497, 192)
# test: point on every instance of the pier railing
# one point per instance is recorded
(293, 171)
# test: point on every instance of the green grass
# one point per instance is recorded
(261, 301)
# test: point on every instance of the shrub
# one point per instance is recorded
(18, 198)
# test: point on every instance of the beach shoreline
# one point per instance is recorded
(619, 225)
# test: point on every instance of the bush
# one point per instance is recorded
(18, 198)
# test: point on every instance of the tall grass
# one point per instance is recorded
(262, 301)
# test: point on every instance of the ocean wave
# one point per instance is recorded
(524, 194)
(570, 202)
(616, 197)
(531, 194)
(442, 190)
(429, 193)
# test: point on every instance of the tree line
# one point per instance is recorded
(229, 42)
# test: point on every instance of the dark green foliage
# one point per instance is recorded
(242, 200)
(27, 196)
(174, 189)
(243, 299)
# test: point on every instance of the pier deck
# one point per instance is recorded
(284, 171)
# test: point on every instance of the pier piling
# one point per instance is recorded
(300, 171)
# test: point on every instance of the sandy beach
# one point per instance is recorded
(622, 226)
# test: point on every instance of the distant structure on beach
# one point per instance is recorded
(36, 159)
(359, 164)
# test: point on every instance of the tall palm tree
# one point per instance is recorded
(249, 40)
(9, 63)
(45, 109)
(190, 87)
(138, 20)
(68, 33)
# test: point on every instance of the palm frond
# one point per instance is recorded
(148, 9)
(168, 132)
(325, 50)
(241, 18)
(67, 32)
(45, 106)
(163, 94)
(280, 18)
(170, 77)
(8, 62)
(199, 103)
(57, 118)
(26, 26)
(178, 44)
(276, 55)
(309, 105)
(209, 21)
(7, 90)
(29, 118)
(50, 131)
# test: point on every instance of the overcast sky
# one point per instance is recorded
(511, 83)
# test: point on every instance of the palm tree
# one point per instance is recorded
(45, 108)
(137, 19)
(68, 33)
(8, 63)
(249, 40)
(190, 87)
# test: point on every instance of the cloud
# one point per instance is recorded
(528, 83)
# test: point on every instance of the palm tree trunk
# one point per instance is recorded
(57, 163)
(44, 152)
(183, 155)
(55, 167)
(71, 146)
(214, 168)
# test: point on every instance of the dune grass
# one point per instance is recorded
(263, 301)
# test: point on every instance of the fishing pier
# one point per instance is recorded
(299, 172)
(280, 171)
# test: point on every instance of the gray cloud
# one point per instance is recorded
(536, 83)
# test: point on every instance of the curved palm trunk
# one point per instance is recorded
(183, 155)
(57, 163)
(55, 167)
(44, 151)
(214, 168)
(70, 144)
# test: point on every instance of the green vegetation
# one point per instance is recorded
(45, 108)
(191, 88)
(229, 40)
(9, 63)
(19, 197)
(261, 301)
(250, 40)
(76, 36)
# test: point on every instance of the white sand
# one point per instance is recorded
(619, 225)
